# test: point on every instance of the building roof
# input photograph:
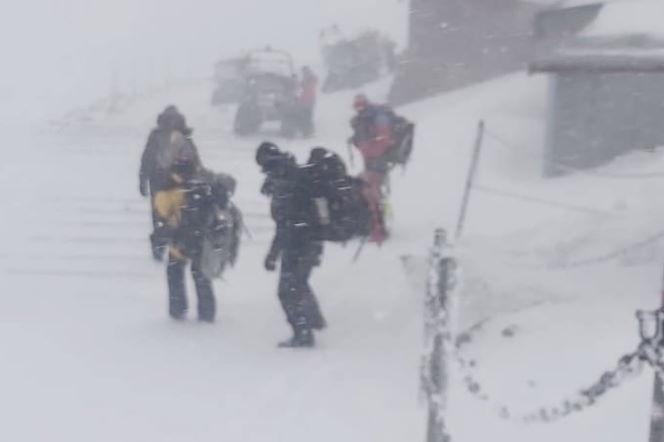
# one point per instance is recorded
(561, 4)
(625, 36)
(601, 62)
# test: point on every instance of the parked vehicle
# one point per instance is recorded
(270, 92)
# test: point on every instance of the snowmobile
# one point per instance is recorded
(270, 93)
(351, 63)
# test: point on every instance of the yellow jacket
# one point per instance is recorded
(168, 206)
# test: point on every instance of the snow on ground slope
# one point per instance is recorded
(566, 323)
(89, 353)
(87, 347)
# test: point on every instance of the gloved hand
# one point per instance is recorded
(143, 187)
(270, 263)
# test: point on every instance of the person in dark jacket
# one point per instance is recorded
(155, 162)
(184, 208)
(294, 243)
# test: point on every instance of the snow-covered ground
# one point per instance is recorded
(89, 353)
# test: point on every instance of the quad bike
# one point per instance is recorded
(270, 93)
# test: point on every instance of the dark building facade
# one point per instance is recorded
(606, 93)
(454, 43)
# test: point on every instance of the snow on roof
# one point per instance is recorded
(603, 61)
(635, 17)
(566, 3)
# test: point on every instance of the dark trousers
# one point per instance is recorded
(297, 298)
(177, 295)
(307, 120)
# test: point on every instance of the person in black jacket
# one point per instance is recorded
(184, 210)
(155, 161)
(294, 243)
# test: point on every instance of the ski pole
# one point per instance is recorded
(247, 231)
(350, 154)
(360, 248)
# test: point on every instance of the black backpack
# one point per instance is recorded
(211, 225)
(341, 209)
(403, 133)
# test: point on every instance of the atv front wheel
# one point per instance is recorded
(247, 119)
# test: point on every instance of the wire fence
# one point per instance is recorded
(652, 239)
(437, 373)
(563, 205)
(543, 201)
(444, 280)
(522, 150)
(472, 185)
(628, 366)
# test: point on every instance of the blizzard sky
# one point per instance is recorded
(59, 54)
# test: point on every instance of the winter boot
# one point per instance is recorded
(317, 320)
(180, 315)
(302, 338)
(206, 319)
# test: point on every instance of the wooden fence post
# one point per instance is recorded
(438, 336)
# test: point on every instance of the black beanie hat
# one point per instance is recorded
(267, 151)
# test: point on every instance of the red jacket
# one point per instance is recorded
(308, 88)
(376, 147)
(373, 132)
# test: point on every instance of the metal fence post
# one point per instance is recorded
(657, 411)
(438, 336)
(474, 162)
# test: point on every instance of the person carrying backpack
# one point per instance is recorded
(384, 139)
(373, 137)
(186, 209)
(171, 138)
(295, 245)
(343, 212)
